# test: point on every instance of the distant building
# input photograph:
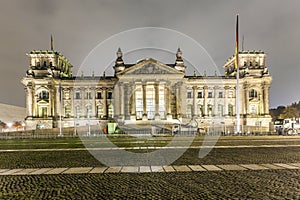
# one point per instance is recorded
(146, 91)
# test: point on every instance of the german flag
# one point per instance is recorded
(237, 44)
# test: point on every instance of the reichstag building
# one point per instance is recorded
(146, 92)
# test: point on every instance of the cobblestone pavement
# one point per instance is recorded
(235, 184)
(268, 171)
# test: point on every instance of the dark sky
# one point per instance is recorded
(78, 26)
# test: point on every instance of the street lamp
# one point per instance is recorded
(89, 125)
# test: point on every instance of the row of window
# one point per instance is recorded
(88, 95)
(252, 94)
(209, 95)
(79, 112)
(220, 110)
(200, 110)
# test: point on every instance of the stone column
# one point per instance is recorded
(226, 100)
(177, 93)
(266, 98)
(28, 101)
(72, 101)
(215, 112)
(127, 93)
(246, 94)
(49, 108)
(168, 100)
(58, 103)
(33, 100)
(144, 102)
(133, 104)
(116, 100)
(105, 102)
(182, 96)
(93, 102)
(156, 96)
(205, 101)
(195, 101)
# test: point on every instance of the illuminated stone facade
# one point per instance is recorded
(144, 92)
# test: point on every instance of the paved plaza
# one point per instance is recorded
(147, 169)
(261, 167)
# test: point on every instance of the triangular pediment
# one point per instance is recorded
(150, 66)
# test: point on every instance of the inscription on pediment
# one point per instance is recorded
(151, 68)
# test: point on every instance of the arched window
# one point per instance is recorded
(253, 93)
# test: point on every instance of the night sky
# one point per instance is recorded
(77, 27)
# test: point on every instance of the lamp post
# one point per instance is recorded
(89, 125)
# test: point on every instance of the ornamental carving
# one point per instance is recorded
(150, 68)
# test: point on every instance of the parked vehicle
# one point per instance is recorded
(289, 126)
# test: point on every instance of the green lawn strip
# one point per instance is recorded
(47, 159)
(130, 141)
(41, 143)
(241, 156)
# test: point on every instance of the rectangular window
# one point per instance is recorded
(220, 94)
(230, 110)
(109, 95)
(252, 109)
(210, 95)
(78, 112)
(44, 95)
(67, 95)
(99, 95)
(189, 95)
(77, 95)
(200, 95)
(88, 95)
(67, 111)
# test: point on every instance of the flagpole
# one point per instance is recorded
(60, 99)
(237, 76)
(52, 46)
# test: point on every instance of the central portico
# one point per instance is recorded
(148, 90)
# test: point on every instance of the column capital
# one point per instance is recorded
(226, 87)
(205, 87)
